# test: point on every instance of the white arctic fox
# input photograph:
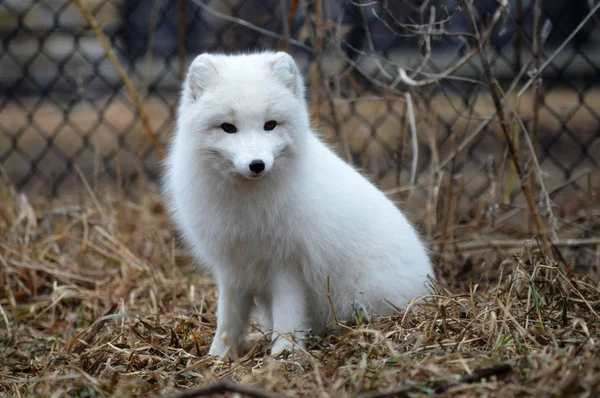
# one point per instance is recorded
(274, 212)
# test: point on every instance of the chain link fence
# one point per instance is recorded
(374, 74)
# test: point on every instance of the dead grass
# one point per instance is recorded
(97, 299)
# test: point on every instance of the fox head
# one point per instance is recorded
(243, 115)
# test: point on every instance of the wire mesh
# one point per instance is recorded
(63, 107)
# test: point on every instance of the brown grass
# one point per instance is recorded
(97, 299)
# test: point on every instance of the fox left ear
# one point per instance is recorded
(202, 75)
(286, 69)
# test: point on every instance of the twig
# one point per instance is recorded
(316, 67)
(182, 23)
(8, 332)
(400, 149)
(537, 50)
(538, 172)
(415, 29)
(404, 78)
(525, 185)
(410, 81)
(520, 26)
(484, 123)
(427, 42)
(369, 40)
(291, 14)
(335, 318)
(285, 22)
(248, 25)
(413, 137)
(339, 131)
(223, 386)
(90, 191)
(128, 84)
(145, 89)
(467, 140)
(476, 376)
(82, 344)
(550, 59)
(516, 243)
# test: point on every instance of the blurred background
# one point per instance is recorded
(397, 87)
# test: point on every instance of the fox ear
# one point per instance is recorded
(202, 75)
(285, 69)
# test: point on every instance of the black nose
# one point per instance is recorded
(257, 166)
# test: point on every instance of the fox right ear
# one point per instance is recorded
(202, 75)
(284, 67)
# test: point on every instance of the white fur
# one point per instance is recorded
(273, 242)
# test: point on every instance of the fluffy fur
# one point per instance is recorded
(272, 240)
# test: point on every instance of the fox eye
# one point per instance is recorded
(229, 128)
(270, 125)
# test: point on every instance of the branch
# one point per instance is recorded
(402, 76)
(539, 71)
(476, 376)
(467, 140)
(82, 344)
(223, 386)
(250, 26)
(516, 243)
(410, 114)
(128, 84)
(514, 154)
(181, 44)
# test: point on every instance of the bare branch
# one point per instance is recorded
(560, 48)
(126, 80)
(476, 376)
(402, 76)
(413, 137)
(224, 386)
(525, 183)
(249, 25)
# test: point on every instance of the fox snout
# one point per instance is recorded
(254, 167)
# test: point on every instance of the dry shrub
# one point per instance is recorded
(98, 299)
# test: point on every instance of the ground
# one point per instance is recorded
(98, 298)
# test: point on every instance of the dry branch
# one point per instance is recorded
(128, 83)
(251, 26)
(223, 386)
(82, 344)
(181, 43)
(477, 375)
(412, 124)
(518, 243)
(559, 49)
(402, 76)
(514, 154)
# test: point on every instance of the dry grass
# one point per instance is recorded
(98, 300)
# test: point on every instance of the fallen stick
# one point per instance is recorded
(222, 386)
(476, 376)
(516, 243)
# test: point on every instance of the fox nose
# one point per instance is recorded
(257, 166)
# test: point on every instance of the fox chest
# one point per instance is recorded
(252, 238)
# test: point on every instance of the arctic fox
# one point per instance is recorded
(284, 224)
